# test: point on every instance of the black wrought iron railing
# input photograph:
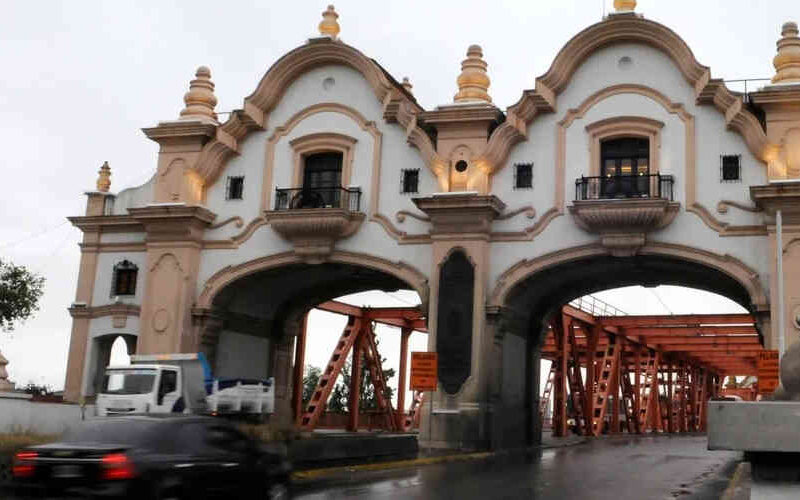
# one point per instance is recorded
(318, 197)
(624, 187)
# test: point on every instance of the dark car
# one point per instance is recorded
(154, 457)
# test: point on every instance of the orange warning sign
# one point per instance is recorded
(424, 371)
(768, 370)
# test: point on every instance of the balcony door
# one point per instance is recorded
(625, 167)
(322, 180)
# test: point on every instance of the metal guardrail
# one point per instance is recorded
(300, 198)
(624, 187)
(596, 307)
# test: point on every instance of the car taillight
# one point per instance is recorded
(117, 466)
(24, 465)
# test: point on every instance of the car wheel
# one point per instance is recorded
(164, 490)
(278, 491)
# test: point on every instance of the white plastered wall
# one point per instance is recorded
(349, 89)
(651, 68)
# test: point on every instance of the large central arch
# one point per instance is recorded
(528, 294)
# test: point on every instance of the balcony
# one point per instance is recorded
(321, 197)
(623, 187)
(314, 219)
(623, 209)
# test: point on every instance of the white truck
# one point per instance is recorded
(179, 383)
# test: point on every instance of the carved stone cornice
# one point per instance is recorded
(91, 312)
(107, 223)
(623, 224)
(783, 196)
(461, 213)
(313, 232)
(180, 130)
(173, 222)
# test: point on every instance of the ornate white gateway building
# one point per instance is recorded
(626, 163)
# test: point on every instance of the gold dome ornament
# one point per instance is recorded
(787, 62)
(104, 178)
(625, 5)
(329, 26)
(200, 100)
(473, 82)
(407, 85)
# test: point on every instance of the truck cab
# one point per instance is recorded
(142, 388)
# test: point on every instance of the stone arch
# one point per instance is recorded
(750, 294)
(400, 270)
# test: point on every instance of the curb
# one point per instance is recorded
(730, 491)
(397, 464)
(309, 475)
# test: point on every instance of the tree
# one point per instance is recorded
(20, 291)
(310, 381)
(340, 395)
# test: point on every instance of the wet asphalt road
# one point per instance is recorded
(638, 468)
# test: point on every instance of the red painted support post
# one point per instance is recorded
(299, 361)
(682, 399)
(405, 333)
(591, 375)
(355, 382)
(670, 400)
(614, 427)
(560, 389)
(637, 389)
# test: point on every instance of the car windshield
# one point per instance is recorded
(112, 431)
(130, 381)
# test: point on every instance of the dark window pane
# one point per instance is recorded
(235, 188)
(731, 170)
(124, 279)
(524, 176)
(113, 431)
(169, 382)
(322, 175)
(410, 181)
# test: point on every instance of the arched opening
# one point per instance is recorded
(106, 349)
(535, 302)
(263, 327)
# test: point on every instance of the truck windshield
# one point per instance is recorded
(133, 381)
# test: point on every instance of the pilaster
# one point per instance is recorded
(173, 242)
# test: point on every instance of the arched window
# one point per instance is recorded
(625, 167)
(124, 278)
(322, 176)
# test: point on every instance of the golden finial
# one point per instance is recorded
(200, 100)
(625, 5)
(104, 179)
(329, 26)
(473, 82)
(407, 85)
(787, 62)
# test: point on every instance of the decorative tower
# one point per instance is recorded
(473, 82)
(624, 5)
(104, 178)
(329, 26)
(5, 384)
(200, 100)
(407, 85)
(787, 61)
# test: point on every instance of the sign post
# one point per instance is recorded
(768, 370)
(424, 377)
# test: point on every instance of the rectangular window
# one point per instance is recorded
(410, 181)
(731, 168)
(235, 188)
(124, 279)
(523, 176)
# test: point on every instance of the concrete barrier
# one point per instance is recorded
(19, 413)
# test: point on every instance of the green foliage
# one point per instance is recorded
(20, 291)
(340, 395)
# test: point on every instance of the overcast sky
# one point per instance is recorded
(79, 79)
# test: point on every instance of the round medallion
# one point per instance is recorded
(161, 320)
(328, 83)
(625, 63)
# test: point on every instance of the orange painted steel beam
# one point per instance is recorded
(739, 350)
(393, 314)
(676, 320)
(707, 340)
(636, 331)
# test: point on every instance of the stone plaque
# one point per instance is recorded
(454, 323)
